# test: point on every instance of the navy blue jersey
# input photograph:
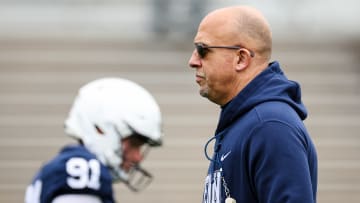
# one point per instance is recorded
(73, 171)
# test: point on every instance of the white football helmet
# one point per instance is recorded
(120, 108)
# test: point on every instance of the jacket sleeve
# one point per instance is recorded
(279, 165)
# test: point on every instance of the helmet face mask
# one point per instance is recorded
(138, 178)
(108, 111)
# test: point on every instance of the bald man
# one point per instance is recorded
(263, 152)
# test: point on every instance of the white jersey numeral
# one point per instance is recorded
(33, 192)
(83, 173)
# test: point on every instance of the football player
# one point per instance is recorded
(115, 122)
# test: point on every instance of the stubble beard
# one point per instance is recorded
(204, 92)
(204, 89)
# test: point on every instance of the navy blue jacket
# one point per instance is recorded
(263, 152)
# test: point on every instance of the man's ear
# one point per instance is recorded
(243, 59)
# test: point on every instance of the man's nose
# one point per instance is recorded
(194, 61)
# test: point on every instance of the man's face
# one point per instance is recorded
(215, 70)
(132, 152)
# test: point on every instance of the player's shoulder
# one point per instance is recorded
(61, 160)
(73, 169)
(70, 151)
(71, 157)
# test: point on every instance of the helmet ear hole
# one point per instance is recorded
(98, 130)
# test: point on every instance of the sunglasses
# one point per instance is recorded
(203, 49)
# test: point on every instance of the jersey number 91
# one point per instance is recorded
(81, 174)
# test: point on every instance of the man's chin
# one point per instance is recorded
(204, 93)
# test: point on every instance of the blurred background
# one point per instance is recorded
(48, 49)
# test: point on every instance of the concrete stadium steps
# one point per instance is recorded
(39, 79)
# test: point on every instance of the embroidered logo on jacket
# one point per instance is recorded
(223, 157)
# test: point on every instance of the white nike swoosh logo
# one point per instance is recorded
(223, 157)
